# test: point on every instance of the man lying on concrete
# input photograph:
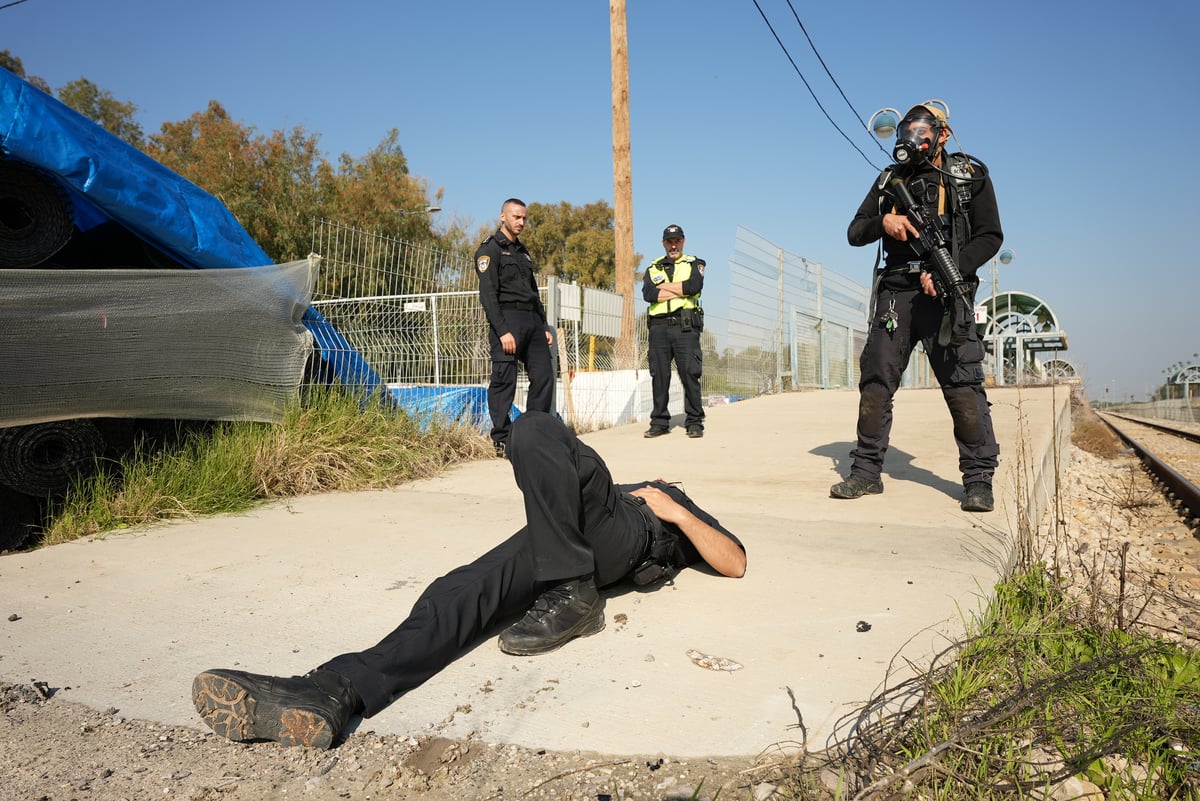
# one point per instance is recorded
(582, 532)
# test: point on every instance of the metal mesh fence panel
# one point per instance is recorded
(413, 314)
(800, 325)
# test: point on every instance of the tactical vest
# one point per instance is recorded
(683, 271)
(959, 166)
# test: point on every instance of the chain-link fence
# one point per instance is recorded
(413, 314)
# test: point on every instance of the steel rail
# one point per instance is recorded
(1191, 436)
(1186, 493)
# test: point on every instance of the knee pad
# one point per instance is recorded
(966, 409)
(872, 401)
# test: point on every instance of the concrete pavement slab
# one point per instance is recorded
(128, 619)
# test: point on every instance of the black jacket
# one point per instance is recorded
(506, 279)
(978, 238)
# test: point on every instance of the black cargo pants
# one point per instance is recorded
(959, 371)
(669, 342)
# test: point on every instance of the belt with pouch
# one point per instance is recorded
(687, 319)
(661, 556)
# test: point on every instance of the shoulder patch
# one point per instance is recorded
(482, 263)
(700, 266)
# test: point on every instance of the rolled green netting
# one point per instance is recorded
(43, 459)
(35, 216)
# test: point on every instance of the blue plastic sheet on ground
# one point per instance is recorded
(445, 404)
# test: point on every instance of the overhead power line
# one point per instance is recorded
(805, 80)
(817, 53)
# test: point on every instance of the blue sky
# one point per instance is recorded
(1086, 114)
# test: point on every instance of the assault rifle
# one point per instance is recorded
(934, 242)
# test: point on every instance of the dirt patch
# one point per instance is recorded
(56, 750)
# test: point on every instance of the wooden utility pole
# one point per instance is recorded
(622, 181)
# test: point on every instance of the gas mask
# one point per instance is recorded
(916, 139)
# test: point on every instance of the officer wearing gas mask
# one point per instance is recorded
(953, 193)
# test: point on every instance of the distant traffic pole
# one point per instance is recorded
(622, 181)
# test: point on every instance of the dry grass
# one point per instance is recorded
(1089, 432)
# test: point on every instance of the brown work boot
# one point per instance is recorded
(309, 710)
(559, 615)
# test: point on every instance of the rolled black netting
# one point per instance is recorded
(35, 217)
(43, 459)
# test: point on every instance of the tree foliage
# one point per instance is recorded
(377, 191)
(574, 243)
(99, 106)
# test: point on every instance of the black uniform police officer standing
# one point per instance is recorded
(516, 321)
(582, 532)
(907, 309)
(672, 286)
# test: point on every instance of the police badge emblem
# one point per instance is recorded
(482, 263)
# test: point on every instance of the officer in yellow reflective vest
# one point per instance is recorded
(672, 287)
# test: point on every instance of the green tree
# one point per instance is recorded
(294, 184)
(377, 192)
(99, 106)
(574, 242)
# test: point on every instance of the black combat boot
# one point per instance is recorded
(855, 487)
(559, 615)
(978, 498)
(309, 710)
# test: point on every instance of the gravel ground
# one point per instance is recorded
(57, 751)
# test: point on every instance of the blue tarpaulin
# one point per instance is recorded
(448, 404)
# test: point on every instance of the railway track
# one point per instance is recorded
(1171, 453)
